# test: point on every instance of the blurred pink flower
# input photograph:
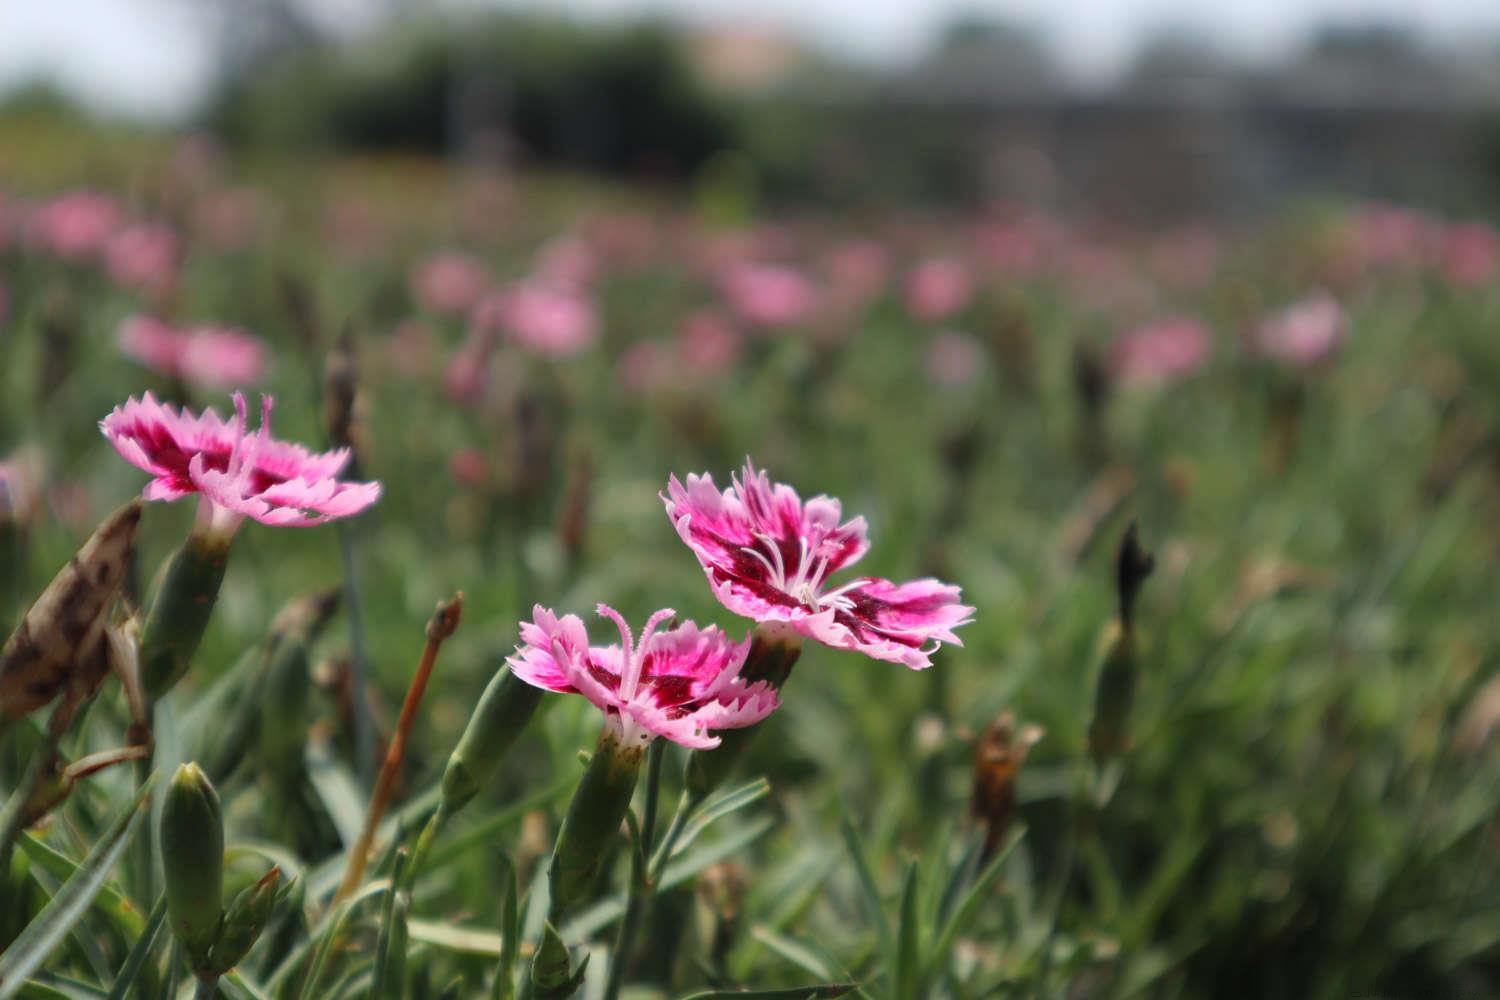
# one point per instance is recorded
(1384, 235)
(549, 319)
(647, 366)
(236, 473)
(74, 225)
(230, 219)
(1470, 254)
(768, 555)
(708, 344)
(466, 375)
(857, 272)
(448, 282)
(144, 257)
(20, 486)
(768, 295)
(410, 347)
(679, 684)
(1304, 334)
(1160, 352)
(468, 467)
(568, 261)
(938, 288)
(954, 359)
(209, 356)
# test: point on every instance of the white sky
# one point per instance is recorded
(153, 57)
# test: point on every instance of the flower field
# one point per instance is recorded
(894, 605)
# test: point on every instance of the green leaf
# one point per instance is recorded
(874, 908)
(61, 867)
(959, 921)
(907, 970)
(510, 931)
(36, 941)
(715, 809)
(139, 952)
(794, 952)
(794, 993)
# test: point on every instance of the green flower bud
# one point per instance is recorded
(593, 819)
(550, 976)
(284, 707)
(192, 852)
(1109, 732)
(502, 712)
(774, 649)
(247, 915)
(180, 612)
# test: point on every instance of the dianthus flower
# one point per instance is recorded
(680, 683)
(236, 473)
(768, 556)
(209, 356)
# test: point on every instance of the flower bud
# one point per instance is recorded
(244, 919)
(550, 976)
(593, 820)
(504, 708)
(180, 612)
(1109, 732)
(774, 650)
(192, 852)
(998, 756)
(58, 635)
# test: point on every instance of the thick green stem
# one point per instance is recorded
(641, 884)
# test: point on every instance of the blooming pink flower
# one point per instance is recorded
(1304, 334)
(680, 683)
(938, 288)
(768, 556)
(953, 358)
(448, 282)
(768, 295)
(236, 474)
(549, 319)
(210, 356)
(1163, 351)
(144, 257)
(74, 225)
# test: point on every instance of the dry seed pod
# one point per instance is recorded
(998, 756)
(59, 633)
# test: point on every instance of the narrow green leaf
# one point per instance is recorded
(504, 987)
(36, 941)
(964, 915)
(794, 952)
(874, 908)
(715, 809)
(452, 937)
(390, 914)
(139, 952)
(110, 900)
(907, 971)
(794, 993)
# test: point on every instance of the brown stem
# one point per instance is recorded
(443, 624)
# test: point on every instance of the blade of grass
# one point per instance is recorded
(36, 941)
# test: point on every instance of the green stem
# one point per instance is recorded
(641, 884)
(593, 819)
(207, 988)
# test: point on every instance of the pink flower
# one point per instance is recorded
(1470, 254)
(144, 257)
(938, 288)
(75, 225)
(236, 474)
(1304, 334)
(210, 356)
(680, 683)
(857, 272)
(768, 295)
(549, 319)
(448, 282)
(953, 359)
(768, 556)
(1164, 351)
